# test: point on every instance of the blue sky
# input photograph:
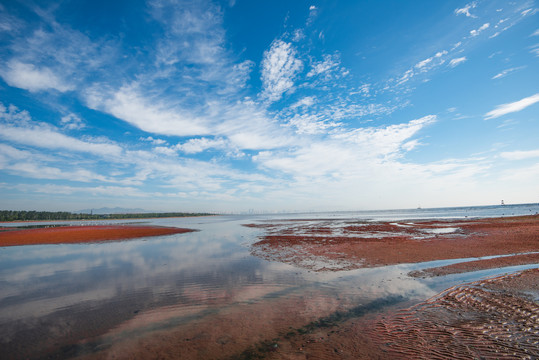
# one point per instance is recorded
(268, 105)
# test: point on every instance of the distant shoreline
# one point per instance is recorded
(8, 216)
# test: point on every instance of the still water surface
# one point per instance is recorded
(70, 300)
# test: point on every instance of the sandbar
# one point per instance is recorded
(329, 245)
(82, 234)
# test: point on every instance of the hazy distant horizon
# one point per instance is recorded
(118, 210)
(238, 106)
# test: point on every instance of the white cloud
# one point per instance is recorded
(299, 35)
(72, 122)
(410, 145)
(520, 155)
(311, 124)
(519, 105)
(457, 61)
(535, 33)
(129, 105)
(306, 101)
(423, 63)
(330, 62)
(423, 66)
(279, 69)
(388, 140)
(153, 141)
(481, 29)
(466, 10)
(346, 152)
(37, 171)
(51, 56)
(198, 145)
(45, 136)
(506, 72)
(28, 77)
(431, 62)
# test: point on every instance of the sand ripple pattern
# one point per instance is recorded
(481, 320)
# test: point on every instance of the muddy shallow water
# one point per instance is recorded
(194, 295)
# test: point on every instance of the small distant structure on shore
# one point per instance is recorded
(503, 203)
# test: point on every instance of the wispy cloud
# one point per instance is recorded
(457, 61)
(197, 145)
(346, 151)
(311, 124)
(146, 113)
(53, 56)
(482, 28)
(466, 10)
(423, 66)
(279, 69)
(27, 76)
(516, 106)
(506, 72)
(321, 67)
(45, 136)
(72, 122)
(520, 155)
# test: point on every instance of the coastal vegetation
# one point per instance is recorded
(14, 215)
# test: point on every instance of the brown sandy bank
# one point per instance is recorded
(331, 245)
(81, 234)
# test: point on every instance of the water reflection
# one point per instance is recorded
(75, 300)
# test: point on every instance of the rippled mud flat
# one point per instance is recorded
(488, 319)
(334, 245)
(495, 318)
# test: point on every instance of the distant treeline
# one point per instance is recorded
(11, 215)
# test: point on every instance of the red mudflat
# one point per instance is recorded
(82, 234)
(352, 246)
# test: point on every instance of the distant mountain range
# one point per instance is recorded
(106, 210)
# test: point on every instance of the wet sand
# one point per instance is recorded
(328, 245)
(81, 234)
(494, 318)
(490, 319)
